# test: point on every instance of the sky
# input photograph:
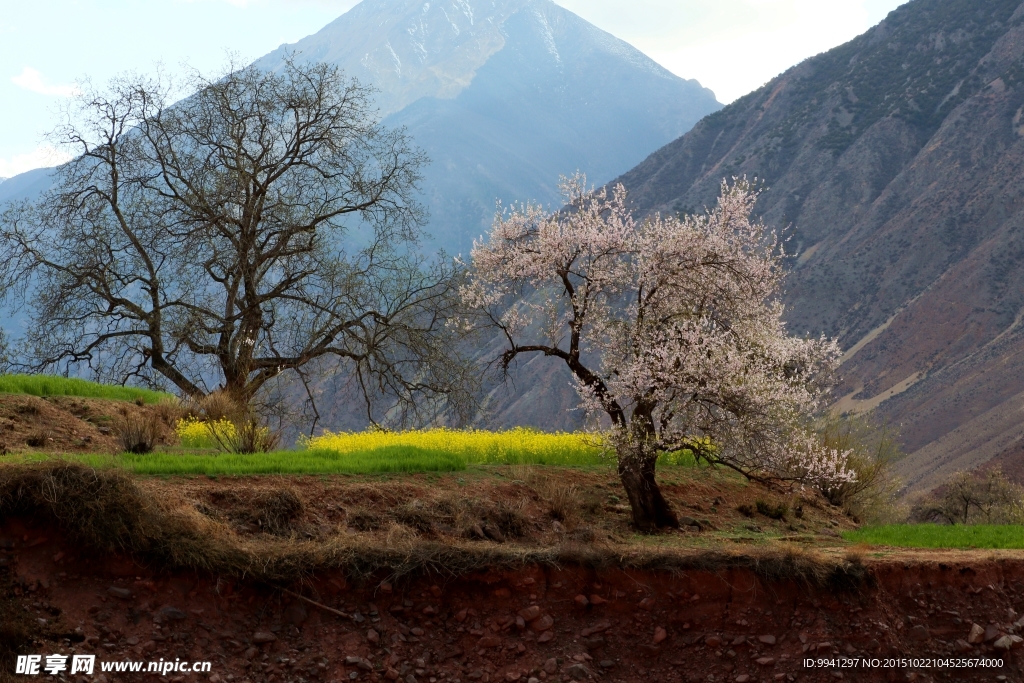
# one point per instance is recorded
(46, 46)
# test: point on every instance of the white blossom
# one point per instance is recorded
(671, 326)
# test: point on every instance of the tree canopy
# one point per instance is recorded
(261, 225)
(671, 328)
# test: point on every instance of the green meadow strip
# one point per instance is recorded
(51, 385)
(940, 536)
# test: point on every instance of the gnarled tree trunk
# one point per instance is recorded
(650, 509)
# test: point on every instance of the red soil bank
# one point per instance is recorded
(544, 623)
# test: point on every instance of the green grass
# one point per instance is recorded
(380, 460)
(407, 459)
(50, 385)
(940, 536)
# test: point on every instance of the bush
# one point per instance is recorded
(218, 421)
(772, 510)
(248, 436)
(973, 498)
(137, 433)
(872, 450)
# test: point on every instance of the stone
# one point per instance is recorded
(551, 665)
(489, 641)
(742, 678)
(577, 671)
(529, 614)
(597, 600)
(120, 593)
(513, 676)
(542, 623)
(660, 634)
(546, 637)
(372, 636)
(557, 527)
(606, 664)
(976, 634)
(532, 679)
(1004, 643)
(767, 640)
(647, 604)
(713, 641)
(918, 632)
(391, 674)
(581, 601)
(171, 614)
(460, 616)
(261, 637)
(962, 645)
(765, 661)
(992, 632)
(363, 664)
(596, 628)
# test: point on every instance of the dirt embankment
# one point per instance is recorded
(544, 622)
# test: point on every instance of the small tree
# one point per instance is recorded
(670, 328)
(973, 498)
(261, 225)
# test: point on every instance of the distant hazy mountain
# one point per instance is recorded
(897, 159)
(504, 96)
(24, 185)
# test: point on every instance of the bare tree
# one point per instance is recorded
(264, 224)
(671, 329)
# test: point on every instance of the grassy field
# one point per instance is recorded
(437, 450)
(50, 385)
(940, 536)
(393, 459)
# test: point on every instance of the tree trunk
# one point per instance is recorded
(650, 509)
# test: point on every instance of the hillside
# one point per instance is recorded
(895, 161)
(504, 97)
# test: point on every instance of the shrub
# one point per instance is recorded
(137, 433)
(772, 510)
(247, 436)
(746, 509)
(39, 438)
(871, 497)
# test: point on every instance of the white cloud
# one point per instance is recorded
(40, 157)
(30, 79)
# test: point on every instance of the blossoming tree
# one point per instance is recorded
(670, 327)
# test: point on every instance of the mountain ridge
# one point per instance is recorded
(892, 156)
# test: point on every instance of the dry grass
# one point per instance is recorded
(138, 433)
(110, 512)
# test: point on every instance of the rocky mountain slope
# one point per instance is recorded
(896, 160)
(504, 96)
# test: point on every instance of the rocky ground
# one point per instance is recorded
(538, 623)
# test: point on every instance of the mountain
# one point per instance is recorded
(25, 185)
(896, 160)
(504, 96)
